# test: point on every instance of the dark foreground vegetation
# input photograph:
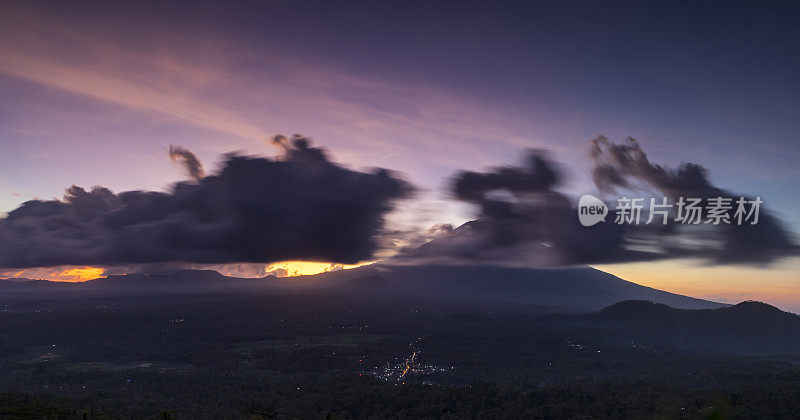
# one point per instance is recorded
(323, 355)
(355, 397)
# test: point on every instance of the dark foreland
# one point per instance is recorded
(389, 341)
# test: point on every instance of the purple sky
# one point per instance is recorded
(94, 93)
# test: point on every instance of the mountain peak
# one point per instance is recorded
(755, 308)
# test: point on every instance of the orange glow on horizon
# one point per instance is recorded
(777, 284)
(85, 273)
(305, 268)
(68, 273)
(78, 274)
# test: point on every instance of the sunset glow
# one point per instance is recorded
(70, 274)
(279, 269)
(303, 268)
(731, 284)
(79, 274)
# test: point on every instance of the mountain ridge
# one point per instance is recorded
(747, 327)
(575, 288)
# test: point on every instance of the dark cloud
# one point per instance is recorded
(525, 220)
(537, 176)
(300, 206)
(190, 162)
(626, 166)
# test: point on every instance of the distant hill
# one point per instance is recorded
(572, 289)
(747, 327)
(756, 314)
(179, 278)
(184, 281)
(569, 289)
(23, 284)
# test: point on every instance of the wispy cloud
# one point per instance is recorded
(217, 83)
(40, 50)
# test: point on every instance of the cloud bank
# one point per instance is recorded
(524, 220)
(301, 206)
(626, 166)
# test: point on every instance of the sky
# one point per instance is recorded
(94, 93)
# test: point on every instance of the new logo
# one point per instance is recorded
(591, 210)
